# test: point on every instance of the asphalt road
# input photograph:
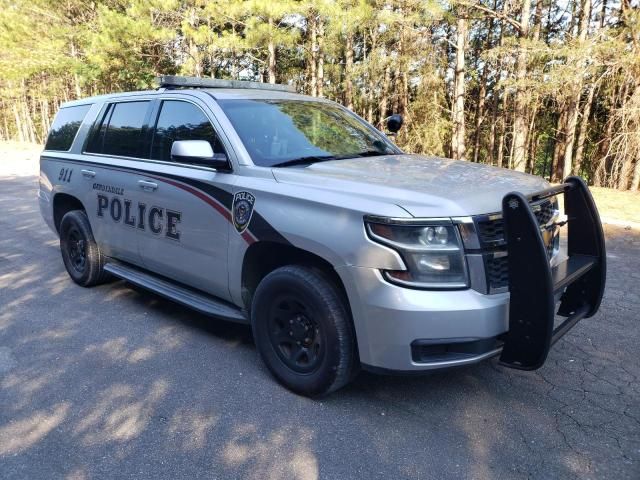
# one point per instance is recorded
(112, 382)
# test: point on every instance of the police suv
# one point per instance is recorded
(253, 204)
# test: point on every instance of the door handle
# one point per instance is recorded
(88, 173)
(149, 186)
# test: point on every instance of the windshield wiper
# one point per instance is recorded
(373, 153)
(324, 158)
(305, 160)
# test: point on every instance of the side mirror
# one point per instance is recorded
(394, 122)
(199, 152)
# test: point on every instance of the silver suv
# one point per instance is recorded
(253, 204)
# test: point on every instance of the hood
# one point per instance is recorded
(424, 186)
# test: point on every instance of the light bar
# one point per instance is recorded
(175, 81)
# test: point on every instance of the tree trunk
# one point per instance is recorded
(18, 120)
(492, 129)
(28, 122)
(193, 48)
(501, 131)
(395, 96)
(482, 92)
(635, 181)
(558, 149)
(582, 134)
(76, 80)
(348, 72)
(320, 57)
(497, 101)
(457, 141)
(7, 132)
(537, 20)
(384, 97)
(628, 148)
(569, 137)
(574, 101)
(404, 96)
(600, 172)
(314, 54)
(479, 116)
(520, 124)
(533, 153)
(271, 68)
(402, 67)
(531, 142)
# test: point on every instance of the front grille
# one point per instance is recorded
(545, 213)
(490, 230)
(497, 272)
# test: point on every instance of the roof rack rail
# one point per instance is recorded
(176, 81)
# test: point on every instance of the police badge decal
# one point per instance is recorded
(242, 209)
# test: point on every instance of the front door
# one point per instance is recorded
(186, 206)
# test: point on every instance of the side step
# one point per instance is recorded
(197, 301)
(571, 270)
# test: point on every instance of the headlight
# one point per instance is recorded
(432, 253)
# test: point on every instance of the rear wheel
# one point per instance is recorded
(80, 253)
(303, 331)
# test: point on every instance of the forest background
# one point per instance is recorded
(550, 87)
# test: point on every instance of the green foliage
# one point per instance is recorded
(380, 56)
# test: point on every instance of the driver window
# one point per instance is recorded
(181, 121)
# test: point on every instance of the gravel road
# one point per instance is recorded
(113, 382)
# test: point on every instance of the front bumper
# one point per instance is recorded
(389, 319)
(401, 329)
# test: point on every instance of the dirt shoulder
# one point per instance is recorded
(19, 159)
(614, 205)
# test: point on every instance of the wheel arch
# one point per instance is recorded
(63, 203)
(263, 257)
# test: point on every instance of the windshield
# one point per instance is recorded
(289, 132)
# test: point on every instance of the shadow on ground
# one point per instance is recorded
(116, 382)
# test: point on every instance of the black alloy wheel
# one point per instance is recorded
(303, 330)
(294, 334)
(77, 249)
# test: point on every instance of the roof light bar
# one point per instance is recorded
(175, 81)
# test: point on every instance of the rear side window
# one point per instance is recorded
(181, 121)
(121, 130)
(65, 127)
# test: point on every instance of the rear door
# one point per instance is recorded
(187, 229)
(116, 146)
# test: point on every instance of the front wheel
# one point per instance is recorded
(303, 331)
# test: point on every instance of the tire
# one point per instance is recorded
(80, 252)
(303, 331)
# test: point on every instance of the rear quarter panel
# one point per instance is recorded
(56, 176)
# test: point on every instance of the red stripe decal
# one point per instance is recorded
(206, 198)
(246, 235)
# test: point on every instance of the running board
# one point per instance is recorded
(200, 302)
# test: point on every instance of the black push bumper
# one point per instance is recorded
(534, 284)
